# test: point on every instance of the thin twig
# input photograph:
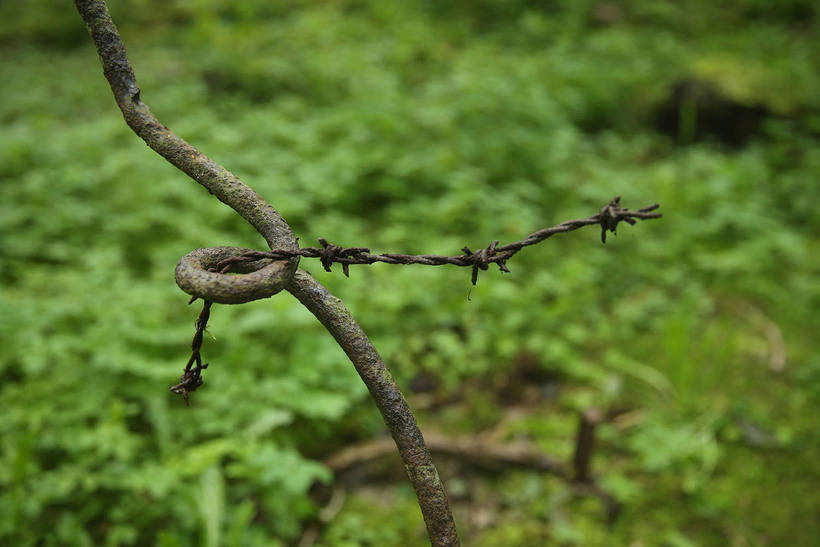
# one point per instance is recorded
(588, 421)
(475, 449)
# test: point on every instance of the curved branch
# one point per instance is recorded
(327, 308)
(219, 181)
(336, 318)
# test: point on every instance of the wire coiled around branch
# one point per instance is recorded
(261, 274)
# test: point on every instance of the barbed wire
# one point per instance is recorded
(608, 218)
(191, 377)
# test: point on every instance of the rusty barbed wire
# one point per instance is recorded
(191, 377)
(608, 218)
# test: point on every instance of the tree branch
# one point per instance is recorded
(216, 179)
(327, 308)
(336, 318)
(475, 450)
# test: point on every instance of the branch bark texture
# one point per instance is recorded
(333, 314)
(283, 274)
(219, 181)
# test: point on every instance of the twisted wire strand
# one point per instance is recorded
(608, 218)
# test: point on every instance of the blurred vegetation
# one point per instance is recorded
(417, 127)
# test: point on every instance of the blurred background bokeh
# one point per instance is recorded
(417, 126)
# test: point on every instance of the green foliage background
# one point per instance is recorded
(414, 126)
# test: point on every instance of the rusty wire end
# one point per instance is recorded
(189, 381)
(191, 377)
